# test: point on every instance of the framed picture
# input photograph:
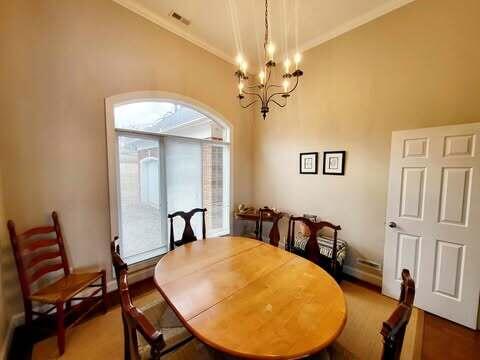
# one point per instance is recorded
(334, 163)
(309, 163)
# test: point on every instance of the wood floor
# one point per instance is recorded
(443, 339)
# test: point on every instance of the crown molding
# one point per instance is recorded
(356, 22)
(164, 23)
(373, 14)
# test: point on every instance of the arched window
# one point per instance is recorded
(166, 153)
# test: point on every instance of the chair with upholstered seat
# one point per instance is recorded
(393, 330)
(160, 329)
(321, 250)
(188, 234)
(40, 254)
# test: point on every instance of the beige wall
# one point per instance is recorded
(416, 67)
(3, 234)
(60, 60)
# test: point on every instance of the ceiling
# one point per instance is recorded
(227, 27)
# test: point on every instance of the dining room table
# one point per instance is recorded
(248, 299)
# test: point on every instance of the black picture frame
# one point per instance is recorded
(314, 164)
(342, 167)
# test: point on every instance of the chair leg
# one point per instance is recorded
(28, 315)
(104, 291)
(28, 318)
(60, 327)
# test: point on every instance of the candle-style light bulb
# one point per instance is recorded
(287, 64)
(261, 76)
(270, 50)
(239, 60)
(286, 84)
(297, 59)
(240, 87)
(243, 67)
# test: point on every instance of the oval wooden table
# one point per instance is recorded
(252, 300)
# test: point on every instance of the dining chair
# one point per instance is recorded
(267, 214)
(40, 256)
(393, 330)
(134, 320)
(309, 247)
(161, 330)
(188, 234)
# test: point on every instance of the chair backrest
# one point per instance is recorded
(117, 261)
(393, 330)
(312, 250)
(407, 289)
(188, 234)
(273, 216)
(134, 320)
(38, 252)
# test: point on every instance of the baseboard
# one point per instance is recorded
(363, 275)
(15, 320)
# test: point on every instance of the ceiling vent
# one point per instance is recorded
(179, 17)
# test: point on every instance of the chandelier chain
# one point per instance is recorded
(266, 26)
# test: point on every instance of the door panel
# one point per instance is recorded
(415, 148)
(407, 255)
(449, 269)
(459, 145)
(455, 198)
(413, 183)
(434, 199)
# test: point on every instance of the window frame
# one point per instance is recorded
(113, 133)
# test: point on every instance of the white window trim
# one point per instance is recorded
(112, 148)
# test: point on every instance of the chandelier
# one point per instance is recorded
(265, 91)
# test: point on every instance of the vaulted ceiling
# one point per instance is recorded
(226, 27)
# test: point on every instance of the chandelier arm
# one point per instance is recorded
(252, 93)
(248, 105)
(273, 85)
(281, 105)
(282, 93)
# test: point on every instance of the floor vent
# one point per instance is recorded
(179, 17)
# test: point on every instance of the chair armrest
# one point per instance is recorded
(153, 336)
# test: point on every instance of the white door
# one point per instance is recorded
(433, 219)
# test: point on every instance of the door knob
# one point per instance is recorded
(392, 224)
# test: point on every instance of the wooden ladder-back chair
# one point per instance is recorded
(39, 252)
(188, 234)
(134, 320)
(312, 249)
(393, 330)
(267, 214)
